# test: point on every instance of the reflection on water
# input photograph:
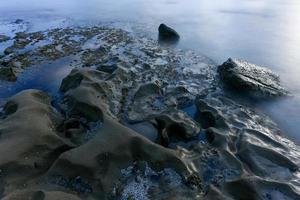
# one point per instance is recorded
(46, 77)
(265, 32)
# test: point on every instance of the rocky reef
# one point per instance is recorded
(134, 120)
(249, 78)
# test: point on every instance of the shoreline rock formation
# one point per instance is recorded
(118, 129)
(246, 77)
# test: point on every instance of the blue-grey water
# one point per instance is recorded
(265, 32)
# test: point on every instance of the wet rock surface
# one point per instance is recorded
(40, 194)
(247, 77)
(119, 130)
(167, 34)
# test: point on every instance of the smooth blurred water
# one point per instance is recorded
(265, 32)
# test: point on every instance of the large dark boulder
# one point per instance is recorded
(167, 34)
(246, 77)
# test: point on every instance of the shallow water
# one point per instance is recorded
(264, 32)
(45, 77)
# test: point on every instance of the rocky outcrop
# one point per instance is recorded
(127, 125)
(29, 143)
(41, 194)
(91, 168)
(251, 148)
(176, 125)
(167, 34)
(4, 38)
(250, 78)
(120, 146)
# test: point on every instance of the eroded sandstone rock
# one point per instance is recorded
(114, 146)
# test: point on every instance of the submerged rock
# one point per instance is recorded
(7, 74)
(4, 38)
(246, 77)
(131, 111)
(19, 21)
(113, 148)
(167, 34)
